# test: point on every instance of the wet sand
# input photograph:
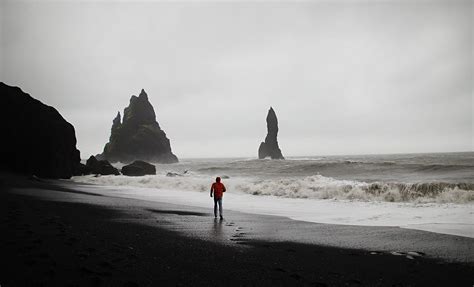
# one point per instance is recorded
(55, 234)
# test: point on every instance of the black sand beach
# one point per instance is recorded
(54, 235)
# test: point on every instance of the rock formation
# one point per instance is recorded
(138, 136)
(82, 169)
(270, 148)
(102, 167)
(138, 168)
(36, 139)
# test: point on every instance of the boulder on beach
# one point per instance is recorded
(270, 147)
(82, 169)
(138, 168)
(138, 136)
(36, 139)
(102, 167)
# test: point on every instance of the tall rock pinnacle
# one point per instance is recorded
(270, 148)
(139, 136)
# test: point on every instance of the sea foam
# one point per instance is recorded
(312, 187)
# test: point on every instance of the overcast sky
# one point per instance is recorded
(347, 77)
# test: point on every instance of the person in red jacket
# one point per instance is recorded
(218, 189)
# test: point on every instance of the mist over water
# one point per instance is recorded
(441, 178)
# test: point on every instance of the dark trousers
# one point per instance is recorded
(218, 201)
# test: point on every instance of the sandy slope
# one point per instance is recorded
(58, 236)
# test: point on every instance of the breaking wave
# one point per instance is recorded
(321, 187)
(312, 187)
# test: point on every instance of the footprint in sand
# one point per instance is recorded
(239, 239)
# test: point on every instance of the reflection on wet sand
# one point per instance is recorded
(217, 228)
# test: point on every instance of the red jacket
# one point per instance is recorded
(218, 188)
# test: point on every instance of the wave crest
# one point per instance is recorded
(321, 187)
(314, 187)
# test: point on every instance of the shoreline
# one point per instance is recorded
(443, 218)
(58, 235)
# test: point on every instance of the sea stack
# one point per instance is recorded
(138, 136)
(36, 139)
(270, 148)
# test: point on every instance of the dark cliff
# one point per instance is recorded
(270, 147)
(36, 139)
(138, 136)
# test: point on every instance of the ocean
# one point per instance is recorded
(440, 177)
(433, 192)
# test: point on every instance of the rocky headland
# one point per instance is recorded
(36, 139)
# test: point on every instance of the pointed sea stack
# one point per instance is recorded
(139, 136)
(270, 148)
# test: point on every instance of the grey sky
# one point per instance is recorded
(344, 77)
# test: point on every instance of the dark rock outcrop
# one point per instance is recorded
(82, 169)
(270, 148)
(138, 136)
(102, 167)
(138, 168)
(36, 139)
